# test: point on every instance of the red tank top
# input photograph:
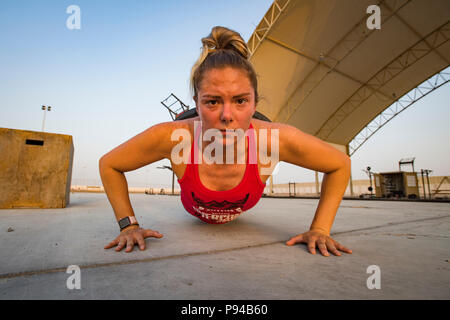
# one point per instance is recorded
(219, 207)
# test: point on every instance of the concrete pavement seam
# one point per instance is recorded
(99, 265)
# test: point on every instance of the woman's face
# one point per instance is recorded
(225, 100)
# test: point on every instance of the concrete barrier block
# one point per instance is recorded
(35, 169)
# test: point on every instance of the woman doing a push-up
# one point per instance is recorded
(220, 167)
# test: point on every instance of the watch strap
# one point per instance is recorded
(127, 221)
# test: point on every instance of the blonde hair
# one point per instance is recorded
(222, 48)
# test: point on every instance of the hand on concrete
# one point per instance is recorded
(323, 241)
(132, 236)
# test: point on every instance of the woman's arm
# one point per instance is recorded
(307, 151)
(152, 145)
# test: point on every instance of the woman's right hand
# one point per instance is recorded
(131, 236)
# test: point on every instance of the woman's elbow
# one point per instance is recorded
(344, 164)
(103, 163)
(347, 166)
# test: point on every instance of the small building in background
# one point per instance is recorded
(399, 184)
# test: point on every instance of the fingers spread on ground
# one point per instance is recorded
(323, 248)
(141, 243)
(294, 240)
(121, 244)
(343, 248)
(111, 244)
(152, 233)
(312, 247)
(291, 242)
(130, 244)
(333, 249)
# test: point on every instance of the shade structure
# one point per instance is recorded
(321, 69)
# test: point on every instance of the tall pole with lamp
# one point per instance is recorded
(45, 108)
(173, 176)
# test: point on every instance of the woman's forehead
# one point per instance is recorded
(225, 81)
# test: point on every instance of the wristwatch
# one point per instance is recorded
(127, 221)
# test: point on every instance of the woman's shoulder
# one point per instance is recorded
(261, 124)
(164, 135)
(284, 133)
(170, 126)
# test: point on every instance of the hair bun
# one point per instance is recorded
(223, 47)
(222, 38)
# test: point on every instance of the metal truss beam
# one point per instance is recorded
(410, 56)
(425, 88)
(410, 27)
(329, 61)
(263, 28)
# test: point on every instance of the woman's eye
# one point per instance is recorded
(209, 102)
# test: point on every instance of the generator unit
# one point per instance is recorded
(398, 184)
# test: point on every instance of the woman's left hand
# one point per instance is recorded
(322, 240)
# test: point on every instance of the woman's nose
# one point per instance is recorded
(226, 113)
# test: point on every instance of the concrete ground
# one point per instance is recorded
(243, 259)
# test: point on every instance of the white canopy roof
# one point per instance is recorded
(323, 71)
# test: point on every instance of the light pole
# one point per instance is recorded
(173, 175)
(48, 108)
(426, 171)
(370, 179)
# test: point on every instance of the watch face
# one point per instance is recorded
(124, 222)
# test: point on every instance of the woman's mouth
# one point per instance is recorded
(227, 131)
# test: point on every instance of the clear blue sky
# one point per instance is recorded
(106, 80)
